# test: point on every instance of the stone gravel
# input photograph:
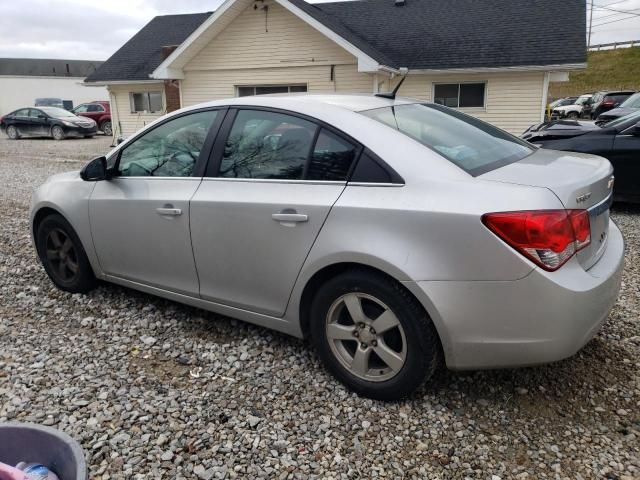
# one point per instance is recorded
(155, 389)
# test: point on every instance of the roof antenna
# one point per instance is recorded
(392, 95)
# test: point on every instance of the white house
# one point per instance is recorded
(23, 80)
(493, 60)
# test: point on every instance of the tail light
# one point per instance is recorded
(608, 103)
(549, 238)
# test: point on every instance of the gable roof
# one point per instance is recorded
(137, 58)
(419, 35)
(450, 34)
(47, 67)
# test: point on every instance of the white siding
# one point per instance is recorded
(274, 39)
(513, 100)
(21, 91)
(125, 122)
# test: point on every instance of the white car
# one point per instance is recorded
(573, 111)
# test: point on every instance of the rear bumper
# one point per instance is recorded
(541, 318)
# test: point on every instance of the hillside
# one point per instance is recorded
(607, 69)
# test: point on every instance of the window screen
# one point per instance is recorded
(267, 89)
(459, 95)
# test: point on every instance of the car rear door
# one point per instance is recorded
(272, 181)
(39, 122)
(140, 218)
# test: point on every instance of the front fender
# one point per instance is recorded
(68, 195)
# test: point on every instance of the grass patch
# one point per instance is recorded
(606, 70)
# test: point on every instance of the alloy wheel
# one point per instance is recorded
(57, 133)
(62, 255)
(366, 337)
(12, 132)
(106, 129)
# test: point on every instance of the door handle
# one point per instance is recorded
(168, 210)
(290, 216)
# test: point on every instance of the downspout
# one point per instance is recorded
(545, 95)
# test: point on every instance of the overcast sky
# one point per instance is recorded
(78, 29)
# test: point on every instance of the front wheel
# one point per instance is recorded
(573, 115)
(373, 335)
(12, 132)
(63, 256)
(57, 133)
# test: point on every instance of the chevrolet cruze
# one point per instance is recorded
(391, 232)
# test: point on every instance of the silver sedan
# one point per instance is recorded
(393, 233)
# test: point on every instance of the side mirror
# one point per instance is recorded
(42, 116)
(95, 170)
(119, 140)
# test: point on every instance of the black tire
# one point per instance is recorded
(423, 350)
(57, 132)
(106, 128)
(573, 115)
(82, 280)
(12, 133)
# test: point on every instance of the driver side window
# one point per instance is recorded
(170, 150)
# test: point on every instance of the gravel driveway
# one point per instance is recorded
(155, 389)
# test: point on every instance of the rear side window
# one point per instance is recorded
(469, 143)
(272, 145)
(267, 145)
(332, 158)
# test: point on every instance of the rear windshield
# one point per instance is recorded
(471, 144)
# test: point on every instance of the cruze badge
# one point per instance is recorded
(583, 198)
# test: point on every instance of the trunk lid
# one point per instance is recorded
(579, 180)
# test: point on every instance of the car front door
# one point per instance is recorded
(625, 158)
(22, 121)
(140, 218)
(39, 122)
(272, 181)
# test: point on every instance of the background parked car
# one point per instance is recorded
(574, 110)
(561, 102)
(630, 105)
(46, 122)
(605, 101)
(53, 102)
(99, 112)
(618, 141)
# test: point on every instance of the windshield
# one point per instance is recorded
(471, 144)
(631, 119)
(56, 112)
(632, 102)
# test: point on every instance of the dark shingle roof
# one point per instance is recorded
(47, 67)
(443, 34)
(140, 56)
(422, 34)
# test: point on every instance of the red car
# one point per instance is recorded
(98, 111)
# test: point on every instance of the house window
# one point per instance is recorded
(460, 95)
(266, 89)
(147, 102)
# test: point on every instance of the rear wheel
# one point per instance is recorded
(373, 335)
(57, 133)
(63, 256)
(106, 127)
(12, 132)
(573, 115)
